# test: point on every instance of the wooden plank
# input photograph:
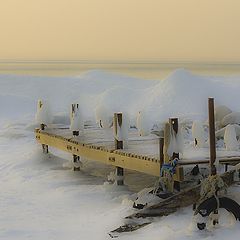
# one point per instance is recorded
(183, 199)
(106, 157)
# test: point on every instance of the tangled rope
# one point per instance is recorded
(211, 186)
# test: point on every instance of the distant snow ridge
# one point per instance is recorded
(181, 94)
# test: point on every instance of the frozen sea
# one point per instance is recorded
(41, 198)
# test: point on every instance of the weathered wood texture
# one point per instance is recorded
(183, 199)
(212, 139)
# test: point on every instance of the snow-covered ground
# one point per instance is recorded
(40, 198)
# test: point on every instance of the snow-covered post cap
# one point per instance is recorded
(143, 124)
(103, 117)
(198, 134)
(77, 123)
(121, 126)
(43, 115)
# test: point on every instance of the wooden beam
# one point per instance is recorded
(212, 139)
(183, 199)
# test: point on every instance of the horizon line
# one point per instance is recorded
(115, 62)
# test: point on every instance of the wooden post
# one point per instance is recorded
(166, 142)
(172, 123)
(76, 159)
(117, 122)
(73, 110)
(212, 139)
(161, 151)
(44, 146)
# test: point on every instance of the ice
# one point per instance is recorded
(231, 118)
(77, 122)
(41, 199)
(44, 114)
(230, 138)
(143, 123)
(220, 112)
(198, 133)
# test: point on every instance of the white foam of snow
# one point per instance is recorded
(42, 200)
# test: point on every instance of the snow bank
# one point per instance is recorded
(182, 94)
(40, 200)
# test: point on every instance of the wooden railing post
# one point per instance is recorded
(212, 139)
(75, 132)
(118, 141)
(161, 151)
(172, 125)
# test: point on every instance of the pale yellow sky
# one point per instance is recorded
(142, 30)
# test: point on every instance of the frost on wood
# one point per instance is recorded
(121, 133)
(43, 115)
(230, 138)
(143, 124)
(104, 117)
(198, 134)
(77, 123)
(176, 143)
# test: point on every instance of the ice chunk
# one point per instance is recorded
(221, 111)
(230, 138)
(198, 133)
(231, 118)
(143, 124)
(104, 117)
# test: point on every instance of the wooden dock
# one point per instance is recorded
(142, 153)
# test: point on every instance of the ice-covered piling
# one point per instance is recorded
(198, 134)
(76, 125)
(43, 115)
(120, 131)
(76, 120)
(43, 118)
(143, 124)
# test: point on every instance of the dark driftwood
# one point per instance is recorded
(170, 205)
(183, 199)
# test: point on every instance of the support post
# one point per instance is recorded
(42, 126)
(75, 133)
(212, 139)
(44, 146)
(172, 124)
(117, 124)
(76, 162)
(161, 151)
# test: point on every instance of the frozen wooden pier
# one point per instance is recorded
(141, 154)
(149, 154)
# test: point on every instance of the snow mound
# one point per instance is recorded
(182, 94)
